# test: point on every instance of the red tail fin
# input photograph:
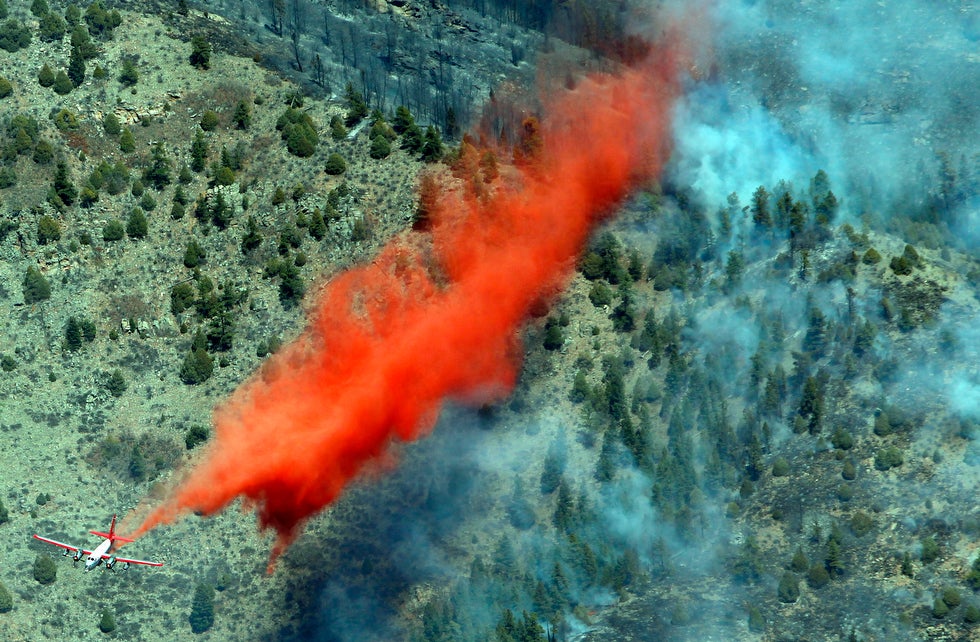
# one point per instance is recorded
(112, 533)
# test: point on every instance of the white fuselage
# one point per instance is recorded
(95, 557)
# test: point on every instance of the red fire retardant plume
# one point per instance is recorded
(434, 316)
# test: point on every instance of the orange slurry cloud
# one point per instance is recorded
(436, 315)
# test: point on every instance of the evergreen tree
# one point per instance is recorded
(200, 52)
(199, 152)
(357, 107)
(197, 367)
(45, 570)
(51, 27)
(403, 120)
(243, 115)
(76, 67)
(252, 239)
(73, 335)
(62, 184)
(80, 39)
(127, 144)
(137, 226)
(129, 75)
(432, 149)
(45, 77)
(110, 124)
(202, 608)
(62, 84)
(107, 623)
(159, 173)
(36, 287)
(760, 208)
(789, 588)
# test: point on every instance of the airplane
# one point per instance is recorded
(101, 552)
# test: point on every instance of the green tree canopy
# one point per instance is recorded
(36, 287)
(200, 52)
(202, 608)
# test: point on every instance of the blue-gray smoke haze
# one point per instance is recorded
(874, 93)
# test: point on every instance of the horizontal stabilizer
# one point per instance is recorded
(101, 534)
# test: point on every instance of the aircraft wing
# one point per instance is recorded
(129, 561)
(57, 543)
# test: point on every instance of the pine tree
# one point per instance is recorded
(62, 84)
(200, 52)
(760, 208)
(202, 608)
(127, 144)
(432, 149)
(159, 173)
(45, 77)
(73, 335)
(76, 67)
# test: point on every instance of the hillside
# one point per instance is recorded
(739, 421)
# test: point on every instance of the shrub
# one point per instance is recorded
(45, 570)
(335, 164)
(800, 563)
(111, 124)
(8, 177)
(299, 131)
(971, 615)
(951, 597)
(6, 88)
(7, 364)
(51, 27)
(780, 467)
(930, 550)
(196, 434)
(600, 295)
(224, 176)
(861, 523)
(36, 287)
(14, 35)
(108, 623)
(4, 515)
(817, 577)
(939, 609)
(901, 265)
(113, 231)
(43, 153)
(181, 297)
(48, 230)
(116, 385)
(789, 588)
(6, 599)
(209, 120)
(888, 458)
(871, 257)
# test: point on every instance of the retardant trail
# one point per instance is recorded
(435, 316)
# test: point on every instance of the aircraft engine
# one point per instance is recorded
(77, 556)
(109, 563)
